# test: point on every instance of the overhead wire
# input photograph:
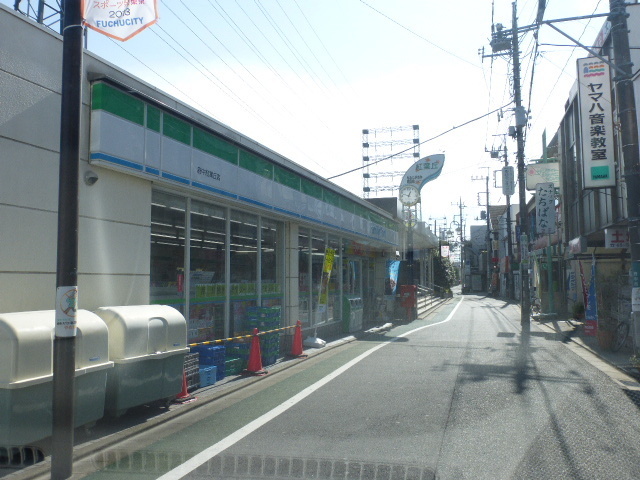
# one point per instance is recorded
(419, 36)
(212, 78)
(264, 98)
(159, 75)
(389, 157)
(568, 58)
(321, 42)
(294, 51)
(293, 25)
(273, 69)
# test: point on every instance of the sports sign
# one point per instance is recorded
(119, 19)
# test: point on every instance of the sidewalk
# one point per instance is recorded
(573, 330)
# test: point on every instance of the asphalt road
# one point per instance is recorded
(462, 394)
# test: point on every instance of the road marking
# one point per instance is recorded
(207, 454)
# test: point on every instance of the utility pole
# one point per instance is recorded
(488, 218)
(521, 121)
(462, 249)
(626, 104)
(489, 238)
(67, 256)
(508, 273)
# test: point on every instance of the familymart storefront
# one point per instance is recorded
(233, 225)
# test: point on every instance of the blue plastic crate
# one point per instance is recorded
(221, 371)
(208, 376)
(210, 355)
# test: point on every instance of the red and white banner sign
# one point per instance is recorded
(120, 19)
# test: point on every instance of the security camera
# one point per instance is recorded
(90, 177)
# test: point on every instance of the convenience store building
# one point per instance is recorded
(175, 208)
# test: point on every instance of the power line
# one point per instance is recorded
(421, 143)
(305, 43)
(294, 51)
(321, 42)
(419, 36)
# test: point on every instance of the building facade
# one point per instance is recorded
(175, 208)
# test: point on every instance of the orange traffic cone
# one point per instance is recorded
(296, 347)
(184, 395)
(254, 365)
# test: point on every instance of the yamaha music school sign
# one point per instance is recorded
(596, 120)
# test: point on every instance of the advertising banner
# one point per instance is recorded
(119, 19)
(591, 308)
(391, 282)
(327, 266)
(596, 123)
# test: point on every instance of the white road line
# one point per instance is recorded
(204, 456)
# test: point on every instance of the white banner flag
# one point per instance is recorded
(120, 19)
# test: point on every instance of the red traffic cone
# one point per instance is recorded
(296, 347)
(184, 395)
(254, 365)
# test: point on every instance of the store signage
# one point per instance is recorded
(542, 173)
(444, 250)
(596, 123)
(635, 274)
(616, 238)
(508, 181)
(119, 19)
(423, 171)
(545, 209)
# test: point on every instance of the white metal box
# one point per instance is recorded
(26, 373)
(147, 344)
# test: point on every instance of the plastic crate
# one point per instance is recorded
(233, 366)
(240, 351)
(269, 360)
(191, 360)
(208, 375)
(193, 380)
(209, 354)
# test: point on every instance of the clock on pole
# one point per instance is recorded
(409, 195)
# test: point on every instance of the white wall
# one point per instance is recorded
(114, 228)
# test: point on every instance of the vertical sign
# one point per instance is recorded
(508, 181)
(596, 120)
(545, 209)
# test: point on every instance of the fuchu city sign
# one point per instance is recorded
(120, 19)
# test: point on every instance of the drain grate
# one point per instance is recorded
(20, 457)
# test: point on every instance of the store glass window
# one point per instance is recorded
(207, 273)
(271, 268)
(318, 245)
(243, 250)
(167, 279)
(304, 278)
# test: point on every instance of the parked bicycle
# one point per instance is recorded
(621, 335)
(536, 306)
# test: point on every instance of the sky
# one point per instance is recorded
(304, 78)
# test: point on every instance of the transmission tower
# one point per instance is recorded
(380, 143)
(47, 13)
